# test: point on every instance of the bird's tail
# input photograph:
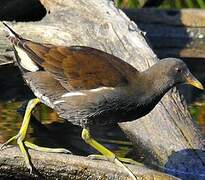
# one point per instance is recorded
(22, 52)
(13, 37)
(11, 32)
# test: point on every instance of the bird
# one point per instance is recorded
(90, 88)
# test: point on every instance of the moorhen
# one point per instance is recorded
(91, 88)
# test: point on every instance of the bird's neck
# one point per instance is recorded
(153, 85)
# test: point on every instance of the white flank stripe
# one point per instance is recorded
(100, 89)
(58, 101)
(69, 94)
(26, 61)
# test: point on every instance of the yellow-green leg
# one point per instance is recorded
(103, 150)
(22, 133)
(20, 137)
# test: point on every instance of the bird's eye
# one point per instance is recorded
(179, 70)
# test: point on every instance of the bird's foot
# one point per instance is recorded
(117, 160)
(20, 137)
(119, 163)
(24, 145)
(22, 133)
(124, 160)
(106, 152)
(22, 148)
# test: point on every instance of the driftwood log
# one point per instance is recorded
(167, 139)
(62, 166)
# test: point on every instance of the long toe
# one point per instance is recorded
(45, 149)
(119, 163)
(98, 157)
(130, 161)
(8, 142)
(66, 151)
(124, 160)
(30, 168)
(25, 154)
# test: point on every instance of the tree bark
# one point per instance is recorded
(165, 136)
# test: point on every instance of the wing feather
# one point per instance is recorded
(78, 67)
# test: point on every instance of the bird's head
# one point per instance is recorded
(177, 72)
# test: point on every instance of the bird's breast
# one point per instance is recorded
(102, 106)
(114, 108)
(122, 108)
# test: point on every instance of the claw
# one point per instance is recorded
(30, 169)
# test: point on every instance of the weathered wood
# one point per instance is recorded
(63, 166)
(170, 32)
(168, 129)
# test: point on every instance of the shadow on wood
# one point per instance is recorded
(184, 165)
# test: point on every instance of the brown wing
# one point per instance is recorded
(80, 67)
(75, 67)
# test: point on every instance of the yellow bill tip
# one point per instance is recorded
(194, 82)
(197, 85)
